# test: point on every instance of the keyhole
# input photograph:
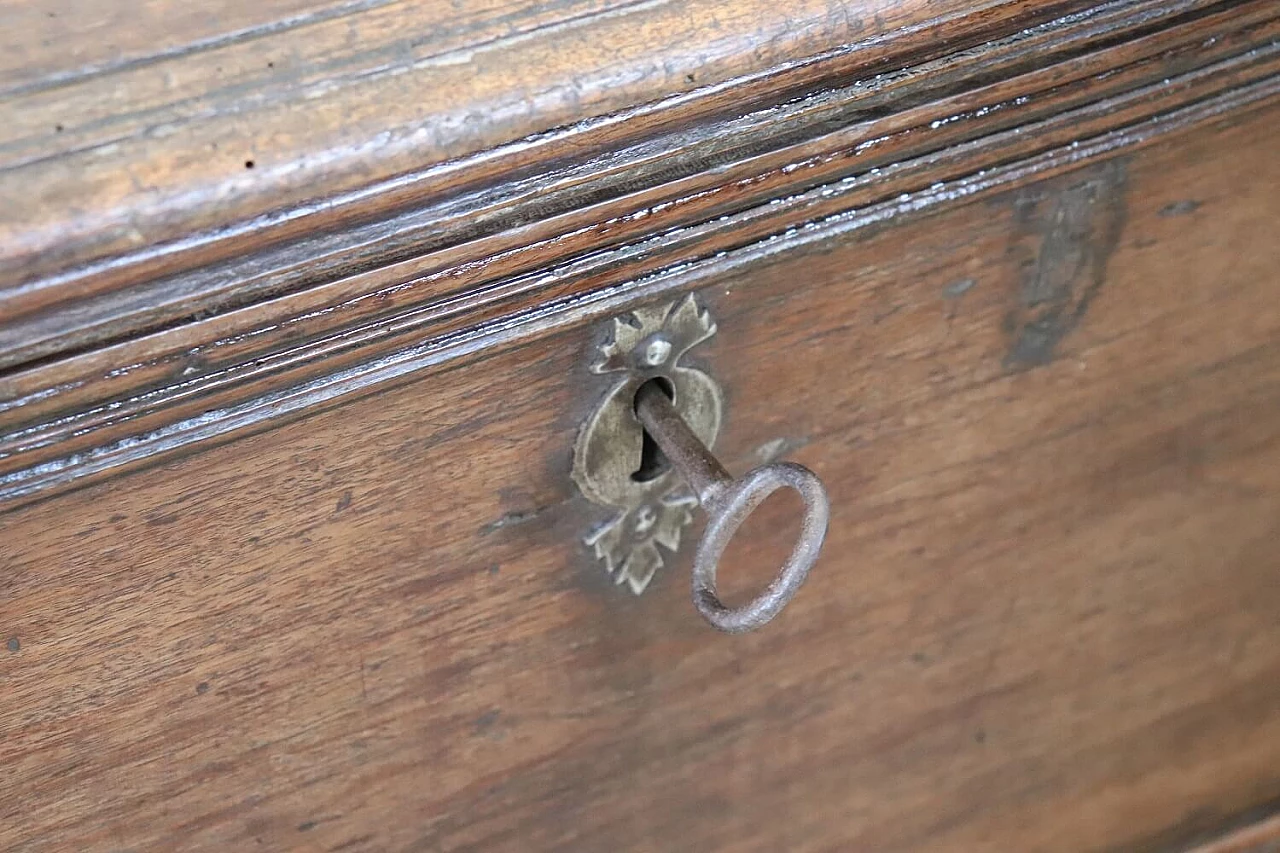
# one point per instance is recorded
(653, 464)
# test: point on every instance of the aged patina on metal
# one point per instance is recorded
(649, 510)
(610, 462)
(728, 502)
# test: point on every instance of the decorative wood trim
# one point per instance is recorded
(844, 159)
(546, 191)
(421, 105)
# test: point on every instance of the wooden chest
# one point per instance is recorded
(318, 532)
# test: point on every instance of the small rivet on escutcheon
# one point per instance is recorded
(657, 351)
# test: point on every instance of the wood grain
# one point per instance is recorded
(970, 123)
(1045, 620)
(312, 116)
(590, 196)
(1261, 837)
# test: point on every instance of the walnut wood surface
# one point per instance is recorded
(143, 138)
(438, 281)
(1045, 619)
(407, 147)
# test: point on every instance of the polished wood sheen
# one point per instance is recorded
(430, 282)
(1045, 618)
(298, 300)
(1263, 837)
(144, 142)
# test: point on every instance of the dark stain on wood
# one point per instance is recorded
(1070, 228)
(1180, 208)
(344, 501)
(485, 723)
(511, 519)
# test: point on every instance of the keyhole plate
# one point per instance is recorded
(645, 517)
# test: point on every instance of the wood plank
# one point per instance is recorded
(580, 195)
(1046, 618)
(274, 131)
(66, 421)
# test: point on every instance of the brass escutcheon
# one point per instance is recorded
(645, 344)
(658, 422)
